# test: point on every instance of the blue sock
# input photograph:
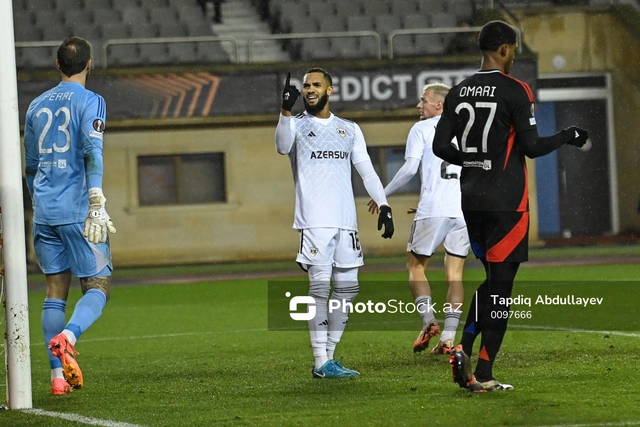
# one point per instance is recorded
(87, 310)
(52, 324)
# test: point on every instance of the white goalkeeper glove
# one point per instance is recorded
(98, 223)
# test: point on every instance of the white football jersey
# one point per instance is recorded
(321, 157)
(440, 191)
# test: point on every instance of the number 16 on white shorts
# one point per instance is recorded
(329, 246)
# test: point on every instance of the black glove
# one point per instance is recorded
(386, 219)
(290, 95)
(576, 136)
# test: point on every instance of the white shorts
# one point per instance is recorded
(329, 246)
(429, 233)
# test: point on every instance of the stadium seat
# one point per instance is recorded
(39, 57)
(20, 5)
(143, 31)
(182, 52)
(22, 18)
(122, 4)
(348, 8)
(106, 16)
(97, 5)
(429, 44)
(86, 31)
(403, 45)
(135, 16)
(416, 22)
(360, 23)
(276, 8)
(209, 52)
(77, 17)
(197, 28)
(431, 7)
(384, 24)
(332, 24)
(163, 15)
(368, 48)
(66, 5)
(48, 18)
(463, 10)
(172, 29)
(114, 30)
(96, 51)
(122, 55)
(27, 33)
(345, 47)
(318, 10)
(154, 53)
(403, 7)
(316, 49)
(304, 25)
(444, 20)
(376, 7)
(54, 32)
(187, 13)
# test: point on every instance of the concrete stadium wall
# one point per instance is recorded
(591, 39)
(256, 221)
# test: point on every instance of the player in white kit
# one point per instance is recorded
(438, 220)
(322, 147)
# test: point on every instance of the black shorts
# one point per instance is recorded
(499, 236)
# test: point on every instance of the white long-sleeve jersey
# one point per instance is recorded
(440, 190)
(321, 152)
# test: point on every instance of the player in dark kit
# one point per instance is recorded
(492, 116)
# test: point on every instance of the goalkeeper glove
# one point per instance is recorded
(98, 223)
(290, 95)
(576, 136)
(385, 218)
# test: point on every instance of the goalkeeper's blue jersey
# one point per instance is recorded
(63, 138)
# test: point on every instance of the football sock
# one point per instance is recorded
(451, 321)
(345, 290)
(424, 307)
(319, 289)
(88, 309)
(53, 321)
(56, 373)
(494, 327)
(473, 324)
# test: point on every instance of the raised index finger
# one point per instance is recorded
(288, 78)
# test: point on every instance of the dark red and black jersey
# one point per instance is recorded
(484, 112)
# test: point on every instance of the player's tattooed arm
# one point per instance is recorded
(101, 283)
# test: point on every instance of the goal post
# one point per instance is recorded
(16, 306)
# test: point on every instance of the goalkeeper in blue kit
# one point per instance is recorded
(63, 139)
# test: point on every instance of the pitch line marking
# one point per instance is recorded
(614, 424)
(239, 331)
(79, 418)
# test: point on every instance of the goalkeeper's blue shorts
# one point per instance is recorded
(63, 247)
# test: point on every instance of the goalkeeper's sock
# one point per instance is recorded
(53, 321)
(87, 311)
(56, 373)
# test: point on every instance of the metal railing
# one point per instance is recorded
(440, 31)
(295, 36)
(167, 40)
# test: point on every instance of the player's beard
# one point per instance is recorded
(315, 109)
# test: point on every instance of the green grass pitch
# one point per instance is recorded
(200, 354)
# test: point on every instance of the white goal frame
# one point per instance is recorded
(16, 305)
